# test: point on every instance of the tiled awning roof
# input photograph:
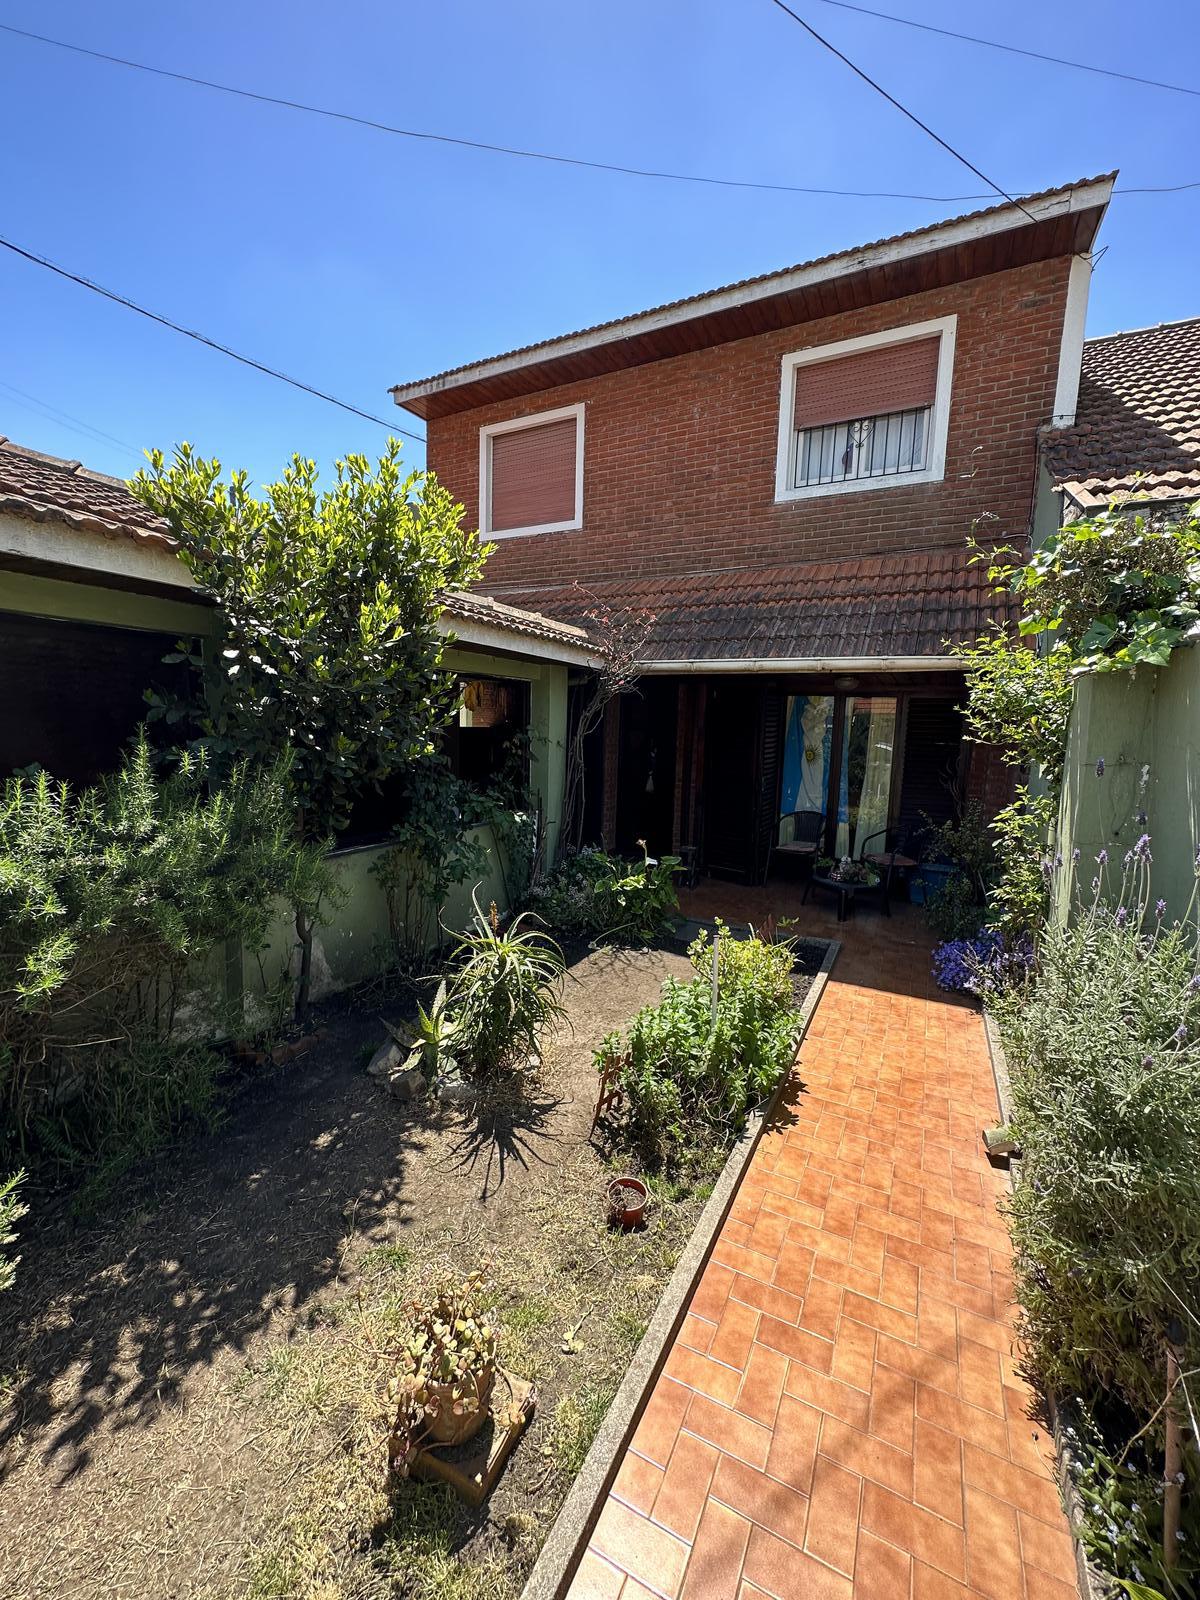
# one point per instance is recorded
(46, 488)
(873, 608)
(1137, 429)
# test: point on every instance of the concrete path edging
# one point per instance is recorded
(580, 1511)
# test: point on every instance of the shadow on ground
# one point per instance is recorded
(197, 1255)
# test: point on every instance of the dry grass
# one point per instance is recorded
(574, 1299)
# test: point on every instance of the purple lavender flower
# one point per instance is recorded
(1075, 855)
(1122, 916)
(1160, 907)
(1100, 767)
(1194, 984)
(1142, 819)
(1141, 849)
(1147, 1062)
(1102, 858)
(1180, 1034)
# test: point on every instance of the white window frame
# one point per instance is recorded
(935, 462)
(487, 434)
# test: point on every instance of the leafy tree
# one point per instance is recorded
(328, 602)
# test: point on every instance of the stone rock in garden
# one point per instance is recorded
(456, 1091)
(386, 1060)
(407, 1084)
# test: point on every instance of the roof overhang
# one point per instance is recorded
(1060, 222)
(58, 549)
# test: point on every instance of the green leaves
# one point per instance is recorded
(328, 603)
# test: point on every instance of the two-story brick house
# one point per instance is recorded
(785, 473)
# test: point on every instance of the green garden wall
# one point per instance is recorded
(1151, 718)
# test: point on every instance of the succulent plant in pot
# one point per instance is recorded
(445, 1371)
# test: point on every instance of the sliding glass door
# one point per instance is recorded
(865, 770)
(838, 759)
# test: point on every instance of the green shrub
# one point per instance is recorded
(689, 1081)
(953, 910)
(11, 1212)
(1104, 1052)
(105, 897)
(504, 994)
(592, 895)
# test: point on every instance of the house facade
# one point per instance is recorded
(783, 475)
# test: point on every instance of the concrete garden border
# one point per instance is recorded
(580, 1511)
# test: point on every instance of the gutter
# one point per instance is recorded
(792, 664)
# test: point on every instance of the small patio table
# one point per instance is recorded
(845, 891)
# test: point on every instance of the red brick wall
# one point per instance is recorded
(679, 455)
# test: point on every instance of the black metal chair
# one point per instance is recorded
(886, 851)
(808, 831)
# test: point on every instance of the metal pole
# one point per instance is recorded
(1172, 1467)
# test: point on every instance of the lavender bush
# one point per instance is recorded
(1104, 1055)
(983, 964)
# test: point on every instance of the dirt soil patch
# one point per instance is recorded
(191, 1386)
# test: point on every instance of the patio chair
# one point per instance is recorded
(808, 829)
(886, 851)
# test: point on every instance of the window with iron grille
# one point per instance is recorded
(867, 447)
(866, 412)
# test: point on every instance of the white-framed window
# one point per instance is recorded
(866, 413)
(531, 474)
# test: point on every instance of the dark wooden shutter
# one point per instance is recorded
(770, 755)
(932, 746)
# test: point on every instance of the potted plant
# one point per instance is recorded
(626, 1202)
(445, 1372)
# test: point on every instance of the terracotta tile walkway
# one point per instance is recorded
(840, 1414)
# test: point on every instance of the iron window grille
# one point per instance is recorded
(869, 447)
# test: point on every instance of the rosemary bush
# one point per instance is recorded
(1104, 1050)
(11, 1211)
(106, 895)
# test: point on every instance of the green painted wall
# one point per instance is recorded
(87, 602)
(1151, 718)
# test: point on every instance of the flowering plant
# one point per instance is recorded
(983, 964)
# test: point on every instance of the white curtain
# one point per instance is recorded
(877, 779)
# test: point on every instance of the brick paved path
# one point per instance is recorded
(840, 1414)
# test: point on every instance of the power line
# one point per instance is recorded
(468, 144)
(903, 109)
(549, 156)
(201, 338)
(1013, 49)
(65, 419)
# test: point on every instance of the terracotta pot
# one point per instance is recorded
(449, 1427)
(619, 1209)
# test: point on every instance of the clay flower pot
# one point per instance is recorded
(623, 1207)
(443, 1425)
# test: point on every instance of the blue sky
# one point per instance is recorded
(355, 260)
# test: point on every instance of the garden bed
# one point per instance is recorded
(190, 1387)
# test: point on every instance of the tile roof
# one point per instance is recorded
(46, 488)
(1137, 426)
(493, 613)
(1056, 201)
(868, 608)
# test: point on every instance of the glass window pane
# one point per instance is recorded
(868, 742)
(808, 740)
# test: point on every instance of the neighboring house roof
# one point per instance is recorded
(874, 609)
(1137, 426)
(1056, 222)
(481, 610)
(44, 488)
